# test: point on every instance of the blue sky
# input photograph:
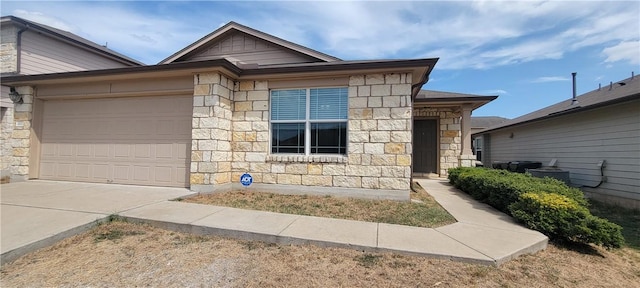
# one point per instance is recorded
(523, 51)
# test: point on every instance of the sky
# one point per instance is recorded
(522, 51)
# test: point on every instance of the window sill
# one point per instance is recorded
(308, 158)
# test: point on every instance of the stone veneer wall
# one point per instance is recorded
(379, 147)
(211, 154)
(450, 134)
(20, 136)
(6, 147)
(8, 49)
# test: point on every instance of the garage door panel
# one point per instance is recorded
(122, 140)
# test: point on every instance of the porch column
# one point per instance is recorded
(466, 158)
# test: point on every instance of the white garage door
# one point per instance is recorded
(141, 140)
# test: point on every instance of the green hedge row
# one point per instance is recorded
(543, 204)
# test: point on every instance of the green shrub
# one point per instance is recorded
(544, 204)
(562, 218)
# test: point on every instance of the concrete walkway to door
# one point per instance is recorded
(38, 213)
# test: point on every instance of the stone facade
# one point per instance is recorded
(6, 147)
(8, 49)
(211, 154)
(379, 146)
(450, 134)
(21, 134)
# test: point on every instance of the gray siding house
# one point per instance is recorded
(29, 48)
(601, 126)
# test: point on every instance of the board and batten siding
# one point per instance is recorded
(240, 47)
(579, 141)
(42, 54)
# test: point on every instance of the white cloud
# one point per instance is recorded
(493, 92)
(623, 51)
(550, 79)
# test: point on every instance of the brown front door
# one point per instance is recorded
(425, 146)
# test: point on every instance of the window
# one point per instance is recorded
(309, 121)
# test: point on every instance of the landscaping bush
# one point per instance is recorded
(544, 204)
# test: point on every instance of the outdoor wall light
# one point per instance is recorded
(15, 97)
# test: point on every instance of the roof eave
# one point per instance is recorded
(563, 113)
(475, 102)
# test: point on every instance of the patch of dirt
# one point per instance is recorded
(121, 254)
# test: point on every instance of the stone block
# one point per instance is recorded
(356, 80)
(391, 101)
(383, 160)
(355, 148)
(251, 136)
(379, 136)
(315, 169)
(381, 113)
(207, 167)
(374, 102)
(374, 79)
(381, 90)
(260, 105)
(289, 179)
(207, 122)
(196, 155)
(403, 160)
(258, 95)
(242, 146)
(24, 90)
(20, 152)
(392, 78)
(20, 134)
(260, 167)
(401, 136)
(395, 183)
(22, 116)
(297, 168)
(23, 107)
(364, 91)
(370, 183)
(243, 106)
(366, 159)
(240, 96)
(392, 125)
(224, 166)
(278, 167)
(196, 178)
(394, 148)
(347, 181)
(246, 85)
(254, 116)
(200, 112)
(358, 102)
(401, 89)
(401, 113)
(374, 148)
(220, 134)
(240, 166)
(354, 159)
(261, 85)
(237, 136)
(221, 178)
(333, 169)
(255, 156)
(358, 113)
(201, 90)
(200, 134)
(260, 126)
(269, 178)
(359, 136)
(369, 125)
(221, 91)
(241, 126)
(208, 78)
(317, 180)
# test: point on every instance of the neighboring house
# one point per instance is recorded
(602, 125)
(29, 48)
(479, 123)
(242, 101)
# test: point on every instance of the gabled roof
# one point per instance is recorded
(449, 98)
(71, 38)
(233, 26)
(627, 89)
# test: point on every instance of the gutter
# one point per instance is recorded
(19, 47)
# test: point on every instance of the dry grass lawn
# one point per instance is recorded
(424, 211)
(121, 254)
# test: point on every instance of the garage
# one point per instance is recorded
(127, 140)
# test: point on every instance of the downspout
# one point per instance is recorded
(19, 48)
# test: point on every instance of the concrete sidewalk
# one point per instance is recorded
(482, 235)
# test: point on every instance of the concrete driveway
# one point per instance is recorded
(38, 213)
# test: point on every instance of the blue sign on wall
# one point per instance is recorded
(246, 179)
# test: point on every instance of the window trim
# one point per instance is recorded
(307, 123)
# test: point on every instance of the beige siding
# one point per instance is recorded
(578, 142)
(240, 47)
(42, 54)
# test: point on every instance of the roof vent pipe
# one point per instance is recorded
(574, 100)
(632, 75)
(610, 85)
(599, 86)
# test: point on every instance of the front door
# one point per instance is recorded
(425, 146)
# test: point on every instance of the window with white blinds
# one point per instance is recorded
(309, 121)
